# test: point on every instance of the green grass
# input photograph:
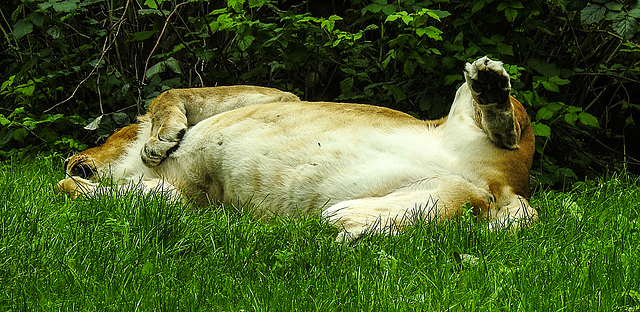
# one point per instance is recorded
(138, 253)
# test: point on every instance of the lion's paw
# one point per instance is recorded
(75, 187)
(158, 148)
(488, 81)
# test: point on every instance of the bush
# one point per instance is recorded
(575, 64)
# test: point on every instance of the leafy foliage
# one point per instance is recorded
(97, 63)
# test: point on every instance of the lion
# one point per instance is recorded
(363, 168)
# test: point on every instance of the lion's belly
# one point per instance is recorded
(290, 169)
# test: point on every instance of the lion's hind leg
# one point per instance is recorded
(488, 81)
(490, 85)
(434, 199)
(512, 212)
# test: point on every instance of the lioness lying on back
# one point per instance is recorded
(354, 164)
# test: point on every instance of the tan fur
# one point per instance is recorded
(355, 164)
(173, 111)
(169, 113)
(96, 161)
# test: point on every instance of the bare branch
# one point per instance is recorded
(166, 23)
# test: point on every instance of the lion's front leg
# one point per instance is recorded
(75, 187)
(173, 111)
(168, 125)
(490, 85)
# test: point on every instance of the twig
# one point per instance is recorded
(166, 22)
(195, 68)
(633, 160)
(608, 75)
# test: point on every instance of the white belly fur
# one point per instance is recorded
(286, 159)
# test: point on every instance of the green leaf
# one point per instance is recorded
(571, 118)
(614, 6)
(451, 79)
(574, 5)
(375, 8)
(544, 114)
(441, 13)
(555, 106)
(386, 61)
(17, 112)
(388, 9)
(173, 65)
(573, 109)
(567, 173)
(478, 6)
(244, 42)
(346, 85)
(4, 121)
(626, 26)
(142, 35)
(559, 81)
(527, 97)
(22, 28)
(27, 89)
(541, 130)
(398, 94)
(19, 134)
(7, 83)
(259, 3)
(516, 5)
(431, 32)
(37, 18)
(328, 25)
(236, 5)
(276, 66)
(66, 6)
(550, 86)
(392, 18)
(592, 13)
(511, 14)
(629, 121)
(409, 68)
(54, 32)
(151, 4)
(588, 120)
(121, 119)
(504, 48)
(407, 19)
(635, 13)
(433, 15)
(546, 69)
(156, 69)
